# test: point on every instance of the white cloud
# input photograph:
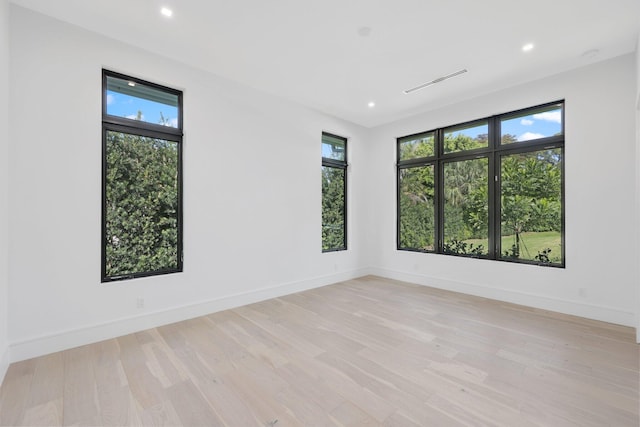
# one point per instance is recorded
(110, 99)
(550, 116)
(526, 122)
(135, 117)
(530, 135)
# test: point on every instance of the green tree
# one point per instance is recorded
(417, 208)
(531, 196)
(417, 148)
(465, 196)
(141, 204)
(462, 142)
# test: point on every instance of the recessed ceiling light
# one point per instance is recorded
(166, 12)
(527, 47)
(371, 104)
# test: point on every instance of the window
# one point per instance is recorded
(334, 193)
(491, 188)
(141, 178)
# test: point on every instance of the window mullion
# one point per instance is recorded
(494, 143)
(439, 197)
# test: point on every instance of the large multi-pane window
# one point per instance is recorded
(141, 178)
(491, 188)
(334, 191)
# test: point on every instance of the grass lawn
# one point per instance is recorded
(530, 244)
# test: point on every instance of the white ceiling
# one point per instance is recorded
(312, 52)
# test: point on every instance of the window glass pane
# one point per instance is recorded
(333, 208)
(531, 206)
(140, 102)
(532, 125)
(466, 207)
(416, 147)
(141, 204)
(466, 138)
(417, 208)
(333, 147)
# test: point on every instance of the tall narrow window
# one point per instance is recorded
(491, 188)
(416, 193)
(141, 178)
(334, 193)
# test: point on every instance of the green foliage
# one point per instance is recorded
(417, 148)
(508, 139)
(461, 142)
(417, 208)
(466, 210)
(333, 208)
(513, 252)
(543, 256)
(531, 198)
(141, 204)
(463, 248)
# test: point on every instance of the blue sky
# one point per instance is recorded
(121, 105)
(534, 126)
(525, 128)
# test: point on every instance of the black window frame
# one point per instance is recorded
(111, 123)
(494, 152)
(343, 165)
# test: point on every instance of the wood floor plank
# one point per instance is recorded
(116, 407)
(365, 352)
(397, 419)
(145, 387)
(350, 415)
(227, 404)
(160, 415)
(45, 414)
(262, 403)
(14, 393)
(191, 407)
(80, 399)
(49, 378)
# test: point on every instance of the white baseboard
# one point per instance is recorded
(63, 340)
(575, 308)
(4, 364)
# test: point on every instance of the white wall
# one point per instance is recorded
(252, 197)
(600, 182)
(638, 73)
(4, 177)
(638, 186)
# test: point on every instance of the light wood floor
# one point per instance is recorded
(367, 352)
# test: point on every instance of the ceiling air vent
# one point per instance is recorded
(434, 81)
